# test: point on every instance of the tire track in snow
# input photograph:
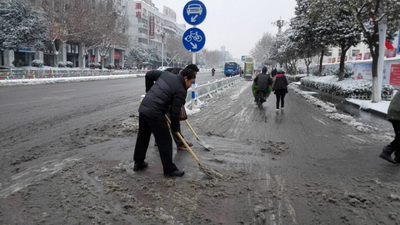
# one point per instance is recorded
(35, 174)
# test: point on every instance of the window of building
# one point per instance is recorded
(143, 41)
(354, 52)
(329, 53)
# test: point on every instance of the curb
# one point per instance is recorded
(372, 111)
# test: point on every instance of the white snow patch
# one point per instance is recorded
(332, 112)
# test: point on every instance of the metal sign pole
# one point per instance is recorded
(194, 58)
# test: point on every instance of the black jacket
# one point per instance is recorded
(263, 81)
(280, 83)
(167, 94)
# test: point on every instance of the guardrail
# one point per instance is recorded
(55, 73)
(208, 88)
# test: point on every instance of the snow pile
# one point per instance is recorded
(331, 110)
(346, 88)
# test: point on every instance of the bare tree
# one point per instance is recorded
(262, 50)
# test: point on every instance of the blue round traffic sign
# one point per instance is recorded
(194, 12)
(194, 39)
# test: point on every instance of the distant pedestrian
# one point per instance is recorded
(279, 87)
(393, 116)
(166, 95)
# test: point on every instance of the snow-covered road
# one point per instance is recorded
(68, 160)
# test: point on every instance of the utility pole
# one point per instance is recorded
(162, 48)
(279, 23)
(377, 83)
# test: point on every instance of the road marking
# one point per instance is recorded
(35, 174)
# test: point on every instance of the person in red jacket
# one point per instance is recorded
(280, 89)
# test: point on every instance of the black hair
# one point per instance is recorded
(188, 73)
(193, 67)
(264, 69)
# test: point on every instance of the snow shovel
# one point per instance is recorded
(206, 170)
(202, 143)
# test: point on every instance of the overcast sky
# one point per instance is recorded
(236, 24)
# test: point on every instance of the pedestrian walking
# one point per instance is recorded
(166, 95)
(273, 72)
(279, 87)
(393, 116)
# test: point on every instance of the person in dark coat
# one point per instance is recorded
(273, 72)
(166, 95)
(263, 82)
(178, 142)
(193, 67)
(393, 116)
(280, 89)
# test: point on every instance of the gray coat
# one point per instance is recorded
(394, 108)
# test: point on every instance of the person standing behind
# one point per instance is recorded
(193, 67)
(166, 95)
(263, 82)
(273, 72)
(280, 88)
(393, 116)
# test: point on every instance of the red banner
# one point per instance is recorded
(139, 14)
(389, 45)
(358, 56)
(395, 75)
(117, 55)
(151, 30)
(138, 5)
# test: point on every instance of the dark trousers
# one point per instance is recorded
(280, 97)
(395, 144)
(158, 126)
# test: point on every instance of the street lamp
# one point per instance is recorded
(162, 47)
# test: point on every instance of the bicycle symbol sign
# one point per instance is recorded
(194, 39)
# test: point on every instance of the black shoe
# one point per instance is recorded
(176, 173)
(140, 166)
(386, 154)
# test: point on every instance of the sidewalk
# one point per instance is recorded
(379, 108)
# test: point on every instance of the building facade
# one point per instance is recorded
(61, 53)
(148, 27)
(361, 52)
